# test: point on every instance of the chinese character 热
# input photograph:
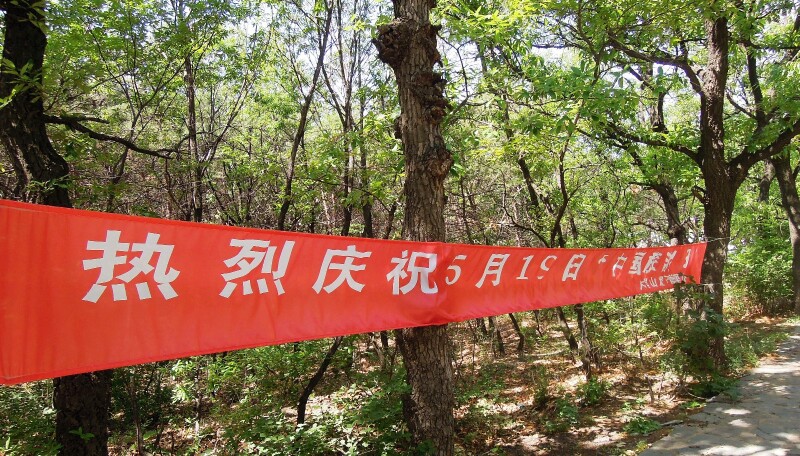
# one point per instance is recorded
(111, 248)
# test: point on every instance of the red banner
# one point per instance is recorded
(83, 291)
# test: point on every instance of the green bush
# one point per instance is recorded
(694, 336)
(760, 269)
(713, 386)
(561, 417)
(641, 425)
(593, 392)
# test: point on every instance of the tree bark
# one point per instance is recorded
(189, 200)
(41, 172)
(408, 46)
(571, 341)
(315, 379)
(675, 229)
(766, 181)
(81, 401)
(520, 334)
(586, 350)
(497, 337)
(721, 184)
(785, 176)
(195, 212)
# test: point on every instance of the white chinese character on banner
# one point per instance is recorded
(618, 265)
(345, 269)
(494, 267)
(419, 274)
(573, 266)
(651, 262)
(161, 273)
(254, 253)
(636, 266)
(523, 275)
(668, 261)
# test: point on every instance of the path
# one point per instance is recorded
(762, 418)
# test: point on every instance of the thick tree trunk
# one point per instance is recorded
(721, 185)
(408, 46)
(784, 174)
(41, 172)
(717, 229)
(81, 401)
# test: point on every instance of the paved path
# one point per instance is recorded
(763, 417)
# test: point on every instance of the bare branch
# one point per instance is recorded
(74, 123)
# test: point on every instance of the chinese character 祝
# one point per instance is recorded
(419, 274)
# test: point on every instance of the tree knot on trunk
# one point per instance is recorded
(427, 40)
(394, 41)
(437, 158)
(428, 86)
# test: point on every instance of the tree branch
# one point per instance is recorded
(745, 160)
(74, 123)
(616, 133)
(664, 59)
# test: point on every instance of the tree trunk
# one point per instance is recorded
(784, 174)
(573, 344)
(675, 229)
(766, 181)
(497, 337)
(408, 46)
(520, 335)
(81, 401)
(195, 212)
(585, 347)
(721, 185)
(717, 228)
(428, 408)
(301, 126)
(40, 171)
(326, 361)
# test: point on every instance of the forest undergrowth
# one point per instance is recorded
(510, 401)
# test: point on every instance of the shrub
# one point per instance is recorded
(641, 425)
(593, 392)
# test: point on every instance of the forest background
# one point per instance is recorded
(551, 123)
